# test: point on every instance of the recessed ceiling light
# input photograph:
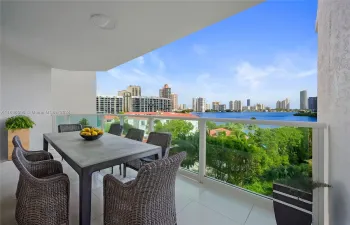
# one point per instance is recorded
(102, 21)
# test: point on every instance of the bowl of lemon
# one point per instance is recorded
(91, 134)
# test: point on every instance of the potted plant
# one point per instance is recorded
(292, 200)
(18, 125)
(84, 122)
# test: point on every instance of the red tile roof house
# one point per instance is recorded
(215, 132)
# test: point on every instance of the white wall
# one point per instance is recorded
(29, 86)
(74, 91)
(334, 100)
(25, 86)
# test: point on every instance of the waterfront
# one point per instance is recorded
(283, 116)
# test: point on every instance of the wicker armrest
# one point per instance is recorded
(45, 168)
(56, 178)
(37, 155)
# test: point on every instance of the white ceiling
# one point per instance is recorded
(61, 35)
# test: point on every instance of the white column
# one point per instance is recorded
(334, 100)
(202, 149)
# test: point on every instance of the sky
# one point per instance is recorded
(266, 53)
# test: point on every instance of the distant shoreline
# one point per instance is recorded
(309, 114)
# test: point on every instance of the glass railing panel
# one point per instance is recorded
(185, 137)
(136, 122)
(108, 120)
(253, 157)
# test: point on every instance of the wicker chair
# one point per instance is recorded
(69, 127)
(154, 138)
(31, 155)
(135, 134)
(147, 200)
(116, 129)
(44, 195)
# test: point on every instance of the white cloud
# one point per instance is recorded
(199, 49)
(282, 68)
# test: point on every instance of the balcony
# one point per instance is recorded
(210, 188)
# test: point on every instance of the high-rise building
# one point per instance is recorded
(215, 106)
(113, 105)
(222, 107)
(278, 104)
(248, 102)
(127, 102)
(231, 105)
(134, 90)
(287, 103)
(194, 104)
(150, 104)
(165, 92)
(198, 104)
(284, 104)
(303, 99)
(174, 101)
(237, 105)
(182, 106)
(259, 107)
(207, 107)
(313, 104)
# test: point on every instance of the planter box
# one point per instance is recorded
(292, 206)
(23, 134)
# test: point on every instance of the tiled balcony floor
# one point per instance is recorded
(196, 204)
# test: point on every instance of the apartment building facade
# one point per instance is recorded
(165, 92)
(174, 101)
(135, 90)
(303, 100)
(105, 104)
(237, 105)
(222, 107)
(215, 106)
(150, 104)
(199, 104)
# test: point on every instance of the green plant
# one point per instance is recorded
(84, 122)
(19, 122)
(303, 183)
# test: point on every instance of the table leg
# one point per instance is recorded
(45, 145)
(159, 155)
(85, 198)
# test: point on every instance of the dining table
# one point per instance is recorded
(87, 157)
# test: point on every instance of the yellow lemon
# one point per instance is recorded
(100, 132)
(86, 129)
(94, 133)
(87, 134)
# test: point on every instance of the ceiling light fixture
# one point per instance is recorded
(102, 21)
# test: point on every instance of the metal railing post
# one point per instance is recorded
(121, 120)
(150, 125)
(102, 122)
(202, 149)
